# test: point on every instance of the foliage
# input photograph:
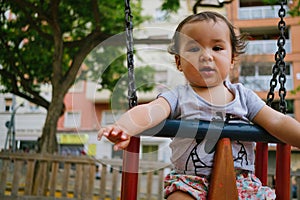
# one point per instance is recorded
(296, 90)
(45, 42)
(119, 100)
(28, 51)
(293, 11)
(270, 2)
(105, 65)
(171, 5)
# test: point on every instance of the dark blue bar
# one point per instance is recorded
(198, 129)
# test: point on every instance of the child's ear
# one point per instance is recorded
(177, 60)
(232, 64)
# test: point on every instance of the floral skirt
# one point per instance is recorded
(248, 185)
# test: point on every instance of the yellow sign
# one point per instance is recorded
(92, 150)
(72, 138)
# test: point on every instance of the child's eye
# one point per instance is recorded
(217, 48)
(194, 49)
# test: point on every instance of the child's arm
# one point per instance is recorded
(283, 127)
(135, 121)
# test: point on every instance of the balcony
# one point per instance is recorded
(257, 76)
(263, 83)
(259, 12)
(258, 47)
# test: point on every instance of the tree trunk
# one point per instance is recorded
(47, 144)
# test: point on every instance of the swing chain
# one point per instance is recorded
(279, 66)
(132, 98)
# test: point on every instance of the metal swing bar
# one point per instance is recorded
(198, 130)
(131, 154)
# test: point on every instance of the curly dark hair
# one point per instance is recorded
(238, 43)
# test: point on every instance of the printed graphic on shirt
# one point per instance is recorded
(242, 156)
(197, 160)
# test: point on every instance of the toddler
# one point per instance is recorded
(205, 47)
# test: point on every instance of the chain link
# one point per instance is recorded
(132, 98)
(279, 66)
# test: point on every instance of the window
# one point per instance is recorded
(264, 33)
(33, 107)
(257, 76)
(247, 70)
(263, 40)
(265, 70)
(28, 145)
(150, 152)
(117, 154)
(72, 119)
(251, 9)
(289, 103)
(8, 104)
(71, 149)
(110, 116)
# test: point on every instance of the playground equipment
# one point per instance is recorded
(220, 175)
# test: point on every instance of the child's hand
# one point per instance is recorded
(114, 134)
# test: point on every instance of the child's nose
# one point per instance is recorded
(206, 55)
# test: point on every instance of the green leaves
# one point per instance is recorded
(171, 5)
(36, 36)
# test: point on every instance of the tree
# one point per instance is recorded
(46, 42)
(115, 78)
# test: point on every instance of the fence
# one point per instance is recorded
(76, 177)
(72, 177)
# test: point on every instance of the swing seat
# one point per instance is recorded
(223, 178)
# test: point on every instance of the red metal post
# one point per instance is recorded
(283, 161)
(130, 170)
(261, 162)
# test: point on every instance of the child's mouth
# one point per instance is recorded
(207, 71)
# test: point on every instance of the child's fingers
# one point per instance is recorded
(101, 133)
(113, 133)
(108, 130)
(104, 131)
(116, 148)
(121, 145)
(124, 136)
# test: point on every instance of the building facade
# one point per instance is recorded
(260, 21)
(254, 69)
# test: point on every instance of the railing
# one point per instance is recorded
(72, 177)
(259, 12)
(262, 83)
(259, 47)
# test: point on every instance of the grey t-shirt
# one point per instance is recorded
(188, 155)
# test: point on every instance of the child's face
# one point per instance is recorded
(205, 53)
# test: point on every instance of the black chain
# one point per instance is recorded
(132, 98)
(279, 66)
